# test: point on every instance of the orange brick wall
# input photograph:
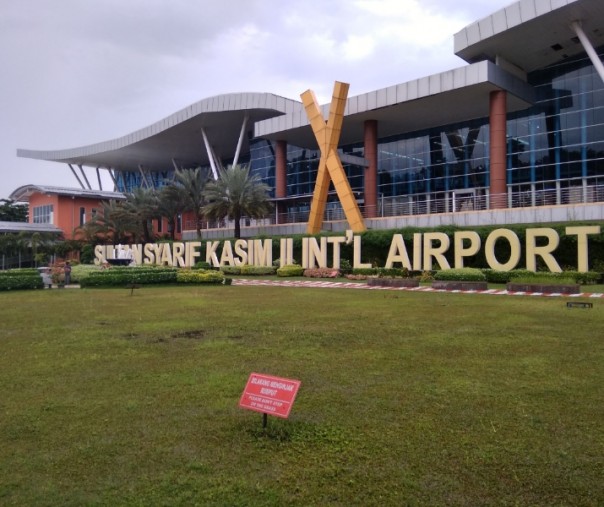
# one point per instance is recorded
(66, 210)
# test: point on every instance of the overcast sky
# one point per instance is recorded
(77, 72)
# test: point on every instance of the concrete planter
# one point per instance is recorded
(458, 285)
(543, 288)
(393, 282)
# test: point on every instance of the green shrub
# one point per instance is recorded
(231, 270)
(426, 276)
(515, 275)
(345, 266)
(202, 265)
(119, 276)
(365, 271)
(544, 279)
(291, 270)
(587, 278)
(87, 254)
(393, 272)
(494, 276)
(20, 279)
(258, 270)
(248, 270)
(461, 275)
(383, 272)
(199, 276)
(81, 271)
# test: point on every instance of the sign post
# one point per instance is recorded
(269, 395)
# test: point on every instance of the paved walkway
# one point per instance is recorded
(322, 284)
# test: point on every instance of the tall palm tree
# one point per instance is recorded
(141, 205)
(191, 184)
(113, 223)
(171, 202)
(237, 193)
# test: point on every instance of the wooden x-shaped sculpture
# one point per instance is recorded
(330, 165)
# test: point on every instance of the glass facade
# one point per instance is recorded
(127, 181)
(556, 148)
(302, 167)
(555, 154)
(417, 171)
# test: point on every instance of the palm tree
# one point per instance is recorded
(191, 183)
(171, 202)
(141, 205)
(113, 223)
(237, 193)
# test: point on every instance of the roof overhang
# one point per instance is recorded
(532, 34)
(22, 194)
(177, 138)
(16, 227)
(449, 97)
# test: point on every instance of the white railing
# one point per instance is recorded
(424, 204)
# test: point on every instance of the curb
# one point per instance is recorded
(362, 286)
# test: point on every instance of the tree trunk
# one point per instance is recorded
(237, 226)
(146, 231)
(198, 224)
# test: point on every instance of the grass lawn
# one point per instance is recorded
(407, 398)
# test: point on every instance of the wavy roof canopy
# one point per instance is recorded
(178, 137)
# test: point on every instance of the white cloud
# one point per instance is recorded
(79, 72)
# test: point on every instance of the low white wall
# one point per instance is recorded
(537, 215)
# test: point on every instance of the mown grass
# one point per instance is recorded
(406, 398)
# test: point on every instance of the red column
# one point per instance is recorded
(497, 155)
(281, 169)
(370, 142)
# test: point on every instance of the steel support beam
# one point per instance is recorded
(210, 153)
(589, 49)
(76, 176)
(98, 177)
(85, 177)
(140, 168)
(240, 140)
(112, 174)
(150, 178)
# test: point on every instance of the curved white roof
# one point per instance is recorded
(178, 136)
(532, 34)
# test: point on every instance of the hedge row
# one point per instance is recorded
(120, 276)
(290, 270)
(462, 274)
(20, 279)
(248, 270)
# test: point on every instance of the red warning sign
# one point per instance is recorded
(269, 395)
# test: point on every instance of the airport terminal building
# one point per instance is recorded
(514, 136)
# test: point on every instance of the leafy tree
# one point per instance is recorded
(237, 193)
(191, 184)
(11, 211)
